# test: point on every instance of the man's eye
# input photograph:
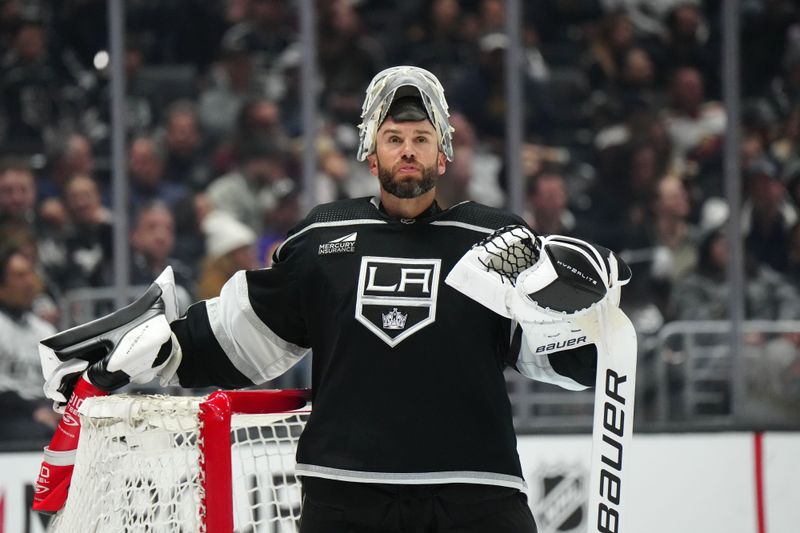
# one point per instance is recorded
(422, 139)
(394, 140)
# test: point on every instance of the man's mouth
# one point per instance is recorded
(408, 169)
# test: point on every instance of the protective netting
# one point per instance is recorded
(509, 251)
(137, 469)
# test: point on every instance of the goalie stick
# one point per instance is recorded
(612, 428)
(55, 473)
(499, 273)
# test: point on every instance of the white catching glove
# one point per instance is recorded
(550, 285)
(134, 344)
(556, 300)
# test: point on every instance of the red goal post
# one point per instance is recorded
(218, 464)
(216, 413)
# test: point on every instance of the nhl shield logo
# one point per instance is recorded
(561, 498)
(397, 296)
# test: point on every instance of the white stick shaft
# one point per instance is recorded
(612, 429)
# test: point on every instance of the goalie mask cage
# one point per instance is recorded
(214, 464)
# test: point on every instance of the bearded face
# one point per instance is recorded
(399, 182)
(407, 160)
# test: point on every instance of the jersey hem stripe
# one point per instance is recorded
(412, 478)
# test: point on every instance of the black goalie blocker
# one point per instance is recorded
(133, 344)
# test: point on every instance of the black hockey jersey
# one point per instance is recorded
(407, 372)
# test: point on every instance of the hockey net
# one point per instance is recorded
(173, 464)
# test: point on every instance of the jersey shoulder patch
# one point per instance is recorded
(338, 213)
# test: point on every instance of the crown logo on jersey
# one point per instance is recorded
(394, 319)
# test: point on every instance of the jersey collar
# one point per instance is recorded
(431, 211)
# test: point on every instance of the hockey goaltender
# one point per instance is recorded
(412, 312)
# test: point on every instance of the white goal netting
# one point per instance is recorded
(148, 464)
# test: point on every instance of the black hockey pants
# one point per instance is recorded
(342, 507)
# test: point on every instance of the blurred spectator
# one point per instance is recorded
(142, 99)
(636, 84)
(334, 173)
(42, 229)
(481, 95)
(248, 192)
(147, 180)
(348, 58)
(784, 144)
(640, 123)
(685, 44)
(89, 238)
(760, 122)
(694, 124)
(233, 80)
(235, 11)
(178, 31)
(285, 88)
(547, 204)
(767, 214)
(704, 293)
(284, 217)
(492, 16)
(663, 250)
(265, 31)
(647, 16)
(438, 42)
(672, 231)
(10, 18)
(190, 241)
(30, 97)
(186, 161)
(338, 173)
(606, 55)
(622, 194)
(782, 94)
(73, 154)
(152, 243)
(474, 173)
(24, 412)
(17, 192)
(257, 120)
(260, 118)
(31, 244)
(230, 247)
(770, 29)
(753, 147)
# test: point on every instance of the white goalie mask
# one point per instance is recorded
(403, 81)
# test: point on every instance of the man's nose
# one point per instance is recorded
(409, 151)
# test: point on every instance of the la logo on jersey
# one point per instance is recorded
(397, 296)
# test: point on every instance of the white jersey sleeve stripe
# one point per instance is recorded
(463, 225)
(252, 347)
